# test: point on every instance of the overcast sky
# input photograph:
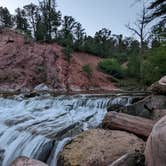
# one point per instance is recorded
(93, 14)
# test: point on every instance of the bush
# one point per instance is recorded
(150, 73)
(55, 55)
(133, 69)
(112, 67)
(87, 69)
(154, 66)
(67, 51)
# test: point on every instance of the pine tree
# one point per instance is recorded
(5, 18)
(158, 8)
(67, 32)
(21, 21)
(79, 35)
(32, 15)
(50, 17)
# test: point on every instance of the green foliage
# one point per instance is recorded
(112, 67)
(40, 30)
(21, 21)
(28, 38)
(66, 34)
(158, 12)
(55, 56)
(134, 66)
(159, 9)
(87, 69)
(32, 15)
(133, 69)
(5, 18)
(154, 66)
(50, 17)
(79, 34)
(67, 51)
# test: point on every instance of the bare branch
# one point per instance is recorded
(133, 30)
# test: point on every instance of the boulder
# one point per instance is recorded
(160, 86)
(155, 152)
(158, 114)
(42, 87)
(25, 161)
(98, 147)
(143, 108)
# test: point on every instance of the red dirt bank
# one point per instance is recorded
(26, 65)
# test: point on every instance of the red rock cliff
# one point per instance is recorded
(25, 65)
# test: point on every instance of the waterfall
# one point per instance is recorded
(36, 127)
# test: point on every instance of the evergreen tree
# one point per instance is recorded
(102, 42)
(21, 21)
(67, 32)
(32, 15)
(158, 10)
(79, 34)
(40, 29)
(51, 18)
(5, 18)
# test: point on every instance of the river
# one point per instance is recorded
(40, 126)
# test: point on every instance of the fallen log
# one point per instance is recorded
(141, 127)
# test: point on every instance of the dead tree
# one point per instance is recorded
(139, 29)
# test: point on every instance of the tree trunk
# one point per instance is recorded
(136, 125)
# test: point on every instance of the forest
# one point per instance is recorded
(142, 57)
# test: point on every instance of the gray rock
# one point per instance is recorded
(25, 161)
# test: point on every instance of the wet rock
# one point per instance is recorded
(42, 87)
(115, 107)
(31, 94)
(159, 87)
(99, 147)
(155, 148)
(143, 108)
(2, 151)
(25, 161)
(45, 151)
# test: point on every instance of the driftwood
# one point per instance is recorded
(119, 121)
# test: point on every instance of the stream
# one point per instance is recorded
(39, 127)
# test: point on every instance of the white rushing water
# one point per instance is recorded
(40, 126)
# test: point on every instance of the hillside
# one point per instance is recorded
(27, 64)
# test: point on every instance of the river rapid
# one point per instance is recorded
(39, 127)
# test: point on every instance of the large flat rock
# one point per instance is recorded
(99, 147)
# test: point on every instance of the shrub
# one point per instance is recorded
(55, 56)
(112, 67)
(87, 69)
(133, 69)
(154, 66)
(67, 51)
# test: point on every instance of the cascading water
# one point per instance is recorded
(33, 127)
